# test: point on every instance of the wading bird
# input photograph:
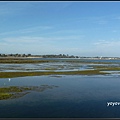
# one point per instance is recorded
(9, 79)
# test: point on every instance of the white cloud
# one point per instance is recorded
(102, 43)
(23, 40)
(8, 8)
(40, 44)
(106, 43)
(107, 47)
(27, 30)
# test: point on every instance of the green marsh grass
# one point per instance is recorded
(20, 61)
(13, 92)
(22, 74)
(97, 69)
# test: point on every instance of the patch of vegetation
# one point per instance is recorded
(13, 92)
(22, 74)
(19, 61)
(28, 60)
(50, 69)
(112, 68)
(5, 96)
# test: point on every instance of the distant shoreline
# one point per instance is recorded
(89, 58)
(18, 57)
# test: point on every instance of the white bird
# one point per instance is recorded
(9, 79)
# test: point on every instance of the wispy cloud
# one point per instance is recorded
(30, 39)
(42, 44)
(5, 9)
(106, 43)
(27, 30)
(102, 43)
(107, 47)
(8, 8)
(94, 20)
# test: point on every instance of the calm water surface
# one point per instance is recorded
(75, 97)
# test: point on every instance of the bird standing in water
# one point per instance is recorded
(9, 79)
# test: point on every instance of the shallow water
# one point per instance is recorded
(75, 97)
(55, 66)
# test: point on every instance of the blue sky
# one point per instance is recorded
(74, 28)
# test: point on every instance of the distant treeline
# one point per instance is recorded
(54, 56)
(59, 56)
(44, 56)
(15, 55)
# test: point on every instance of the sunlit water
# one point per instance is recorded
(75, 97)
